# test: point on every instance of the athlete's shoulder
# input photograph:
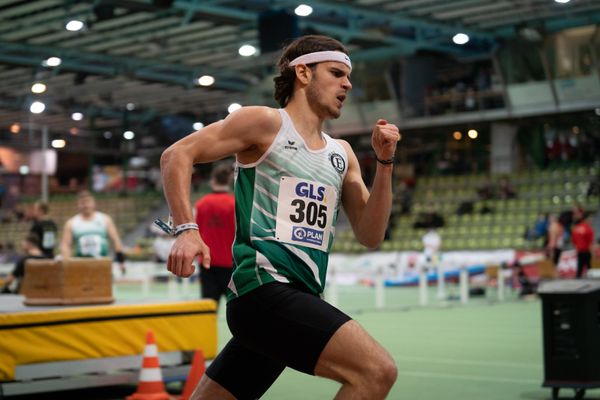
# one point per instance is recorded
(69, 223)
(259, 117)
(345, 145)
(100, 216)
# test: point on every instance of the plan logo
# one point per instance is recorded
(307, 235)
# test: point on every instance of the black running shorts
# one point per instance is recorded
(273, 326)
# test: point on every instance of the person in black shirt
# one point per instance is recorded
(31, 249)
(45, 228)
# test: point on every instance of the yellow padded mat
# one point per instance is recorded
(77, 333)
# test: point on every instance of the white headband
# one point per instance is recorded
(320, 56)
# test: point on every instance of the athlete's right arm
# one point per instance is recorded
(246, 133)
(67, 241)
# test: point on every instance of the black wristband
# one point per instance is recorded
(120, 257)
(385, 162)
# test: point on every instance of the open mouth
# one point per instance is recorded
(341, 98)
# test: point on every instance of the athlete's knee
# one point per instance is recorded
(374, 379)
(387, 372)
(376, 370)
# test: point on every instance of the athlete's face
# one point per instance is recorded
(328, 88)
(86, 205)
(37, 213)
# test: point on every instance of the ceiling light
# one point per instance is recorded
(107, 134)
(74, 25)
(473, 133)
(233, 107)
(247, 50)
(37, 107)
(58, 143)
(206, 80)
(15, 128)
(198, 125)
(128, 135)
(77, 116)
(531, 34)
(24, 169)
(38, 87)
(457, 135)
(74, 131)
(303, 10)
(52, 62)
(562, 1)
(130, 106)
(460, 38)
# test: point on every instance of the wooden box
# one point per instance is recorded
(547, 269)
(71, 281)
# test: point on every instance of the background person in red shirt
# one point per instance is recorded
(215, 217)
(582, 236)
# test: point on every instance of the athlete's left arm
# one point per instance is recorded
(113, 235)
(369, 212)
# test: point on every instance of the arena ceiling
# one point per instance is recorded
(150, 52)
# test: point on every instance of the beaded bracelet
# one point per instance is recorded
(185, 227)
(385, 162)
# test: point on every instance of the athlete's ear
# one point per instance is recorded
(303, 73)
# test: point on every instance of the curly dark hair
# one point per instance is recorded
(284, 82)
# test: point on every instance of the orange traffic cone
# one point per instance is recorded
(196, 372)
(150, 386)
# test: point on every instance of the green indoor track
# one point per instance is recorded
(484, 350)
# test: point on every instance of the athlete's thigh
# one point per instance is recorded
(284, 323)
(242, 372)
(350, 351)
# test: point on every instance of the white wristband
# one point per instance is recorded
(185, 227)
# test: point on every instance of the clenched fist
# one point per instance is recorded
(384, 139)
(187, 246)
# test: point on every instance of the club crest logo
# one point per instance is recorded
(338, 162)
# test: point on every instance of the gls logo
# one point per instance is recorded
(304, 189)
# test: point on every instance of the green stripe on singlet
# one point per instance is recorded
(244, 255)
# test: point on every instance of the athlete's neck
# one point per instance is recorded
(88, 215)
(307, 124)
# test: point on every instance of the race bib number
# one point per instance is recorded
(49, 240)
(305, 212)
(90, 246)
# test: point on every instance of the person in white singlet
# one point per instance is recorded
(432, 242)
(291, 181)
(87, 234)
